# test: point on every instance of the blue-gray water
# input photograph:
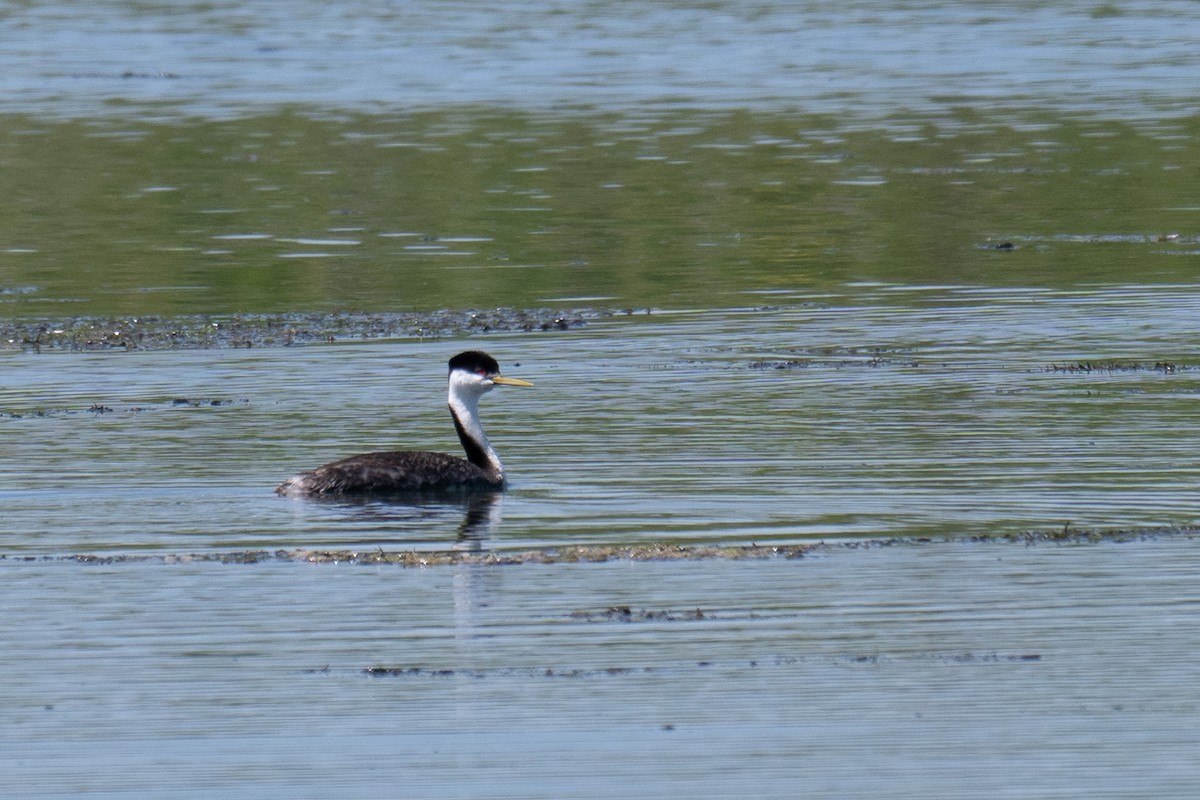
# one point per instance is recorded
(941, 671)
(915, 271)
(226, 58)
(916, 670)
(956, 418)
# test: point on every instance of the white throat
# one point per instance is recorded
(464, 394)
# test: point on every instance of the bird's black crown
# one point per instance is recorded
(475, 361)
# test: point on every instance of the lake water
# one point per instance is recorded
(936, 671)
(949, 414)
(903, 294)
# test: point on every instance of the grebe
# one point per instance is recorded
(472, 375)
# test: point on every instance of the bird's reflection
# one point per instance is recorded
(481, 512)
(481, 516)
(480, 522)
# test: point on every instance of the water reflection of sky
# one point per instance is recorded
(224, 57)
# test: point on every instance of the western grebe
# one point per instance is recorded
(472, 375)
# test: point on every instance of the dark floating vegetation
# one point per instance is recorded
(629, 614)
(278, 330)
(380, 671)
(840, 363)
(100, 409)
(606, 553)
(1165, 367)
(535, 672)
(1008, 246)
(841, 358)
(876, 357)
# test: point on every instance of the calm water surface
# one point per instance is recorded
(220, 58)
(937, 671)
(858, 274)
(944, 412)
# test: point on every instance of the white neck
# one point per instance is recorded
(464, 405)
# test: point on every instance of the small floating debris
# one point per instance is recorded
(128, 74)
(840, 358)
(131, 74)
(628, 614)
(873, 659)
(808, 363)
(183, 402)
(1164, 367)
(100, 409)
(531, 672)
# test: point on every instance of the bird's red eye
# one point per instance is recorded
(481, 373)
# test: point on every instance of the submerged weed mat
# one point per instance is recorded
(576, 554)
